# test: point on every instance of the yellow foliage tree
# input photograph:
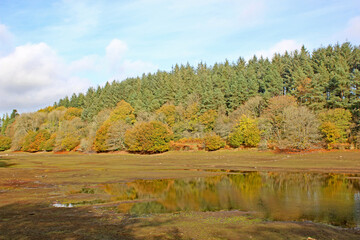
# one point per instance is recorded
(208, 119)
(213, 142)
(150, 137)
(245, 133)
(124, 112)
(169, 113)
(72, 113)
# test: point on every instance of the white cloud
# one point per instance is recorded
(352, 31)
(35, 76)
(114, 65)
(119, 67)
(280, 47)
(115, 52)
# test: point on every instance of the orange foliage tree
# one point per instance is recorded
(150, 137)
(35, 141)
(213, 142)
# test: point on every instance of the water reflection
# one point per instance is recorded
(330, 198)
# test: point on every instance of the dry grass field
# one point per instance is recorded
(31, 183)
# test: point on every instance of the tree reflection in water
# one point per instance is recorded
(329, 198)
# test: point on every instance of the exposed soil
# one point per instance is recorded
(38, 221)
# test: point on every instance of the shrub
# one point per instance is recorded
(187, 144)
(5, 143)
(150, 137)
(213, 142)
(245, 133)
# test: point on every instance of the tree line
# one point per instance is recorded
(296, 100)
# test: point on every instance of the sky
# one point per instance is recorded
(53, 48)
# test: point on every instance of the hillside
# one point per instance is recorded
(298, 100)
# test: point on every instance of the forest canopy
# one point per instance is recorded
(296, 100)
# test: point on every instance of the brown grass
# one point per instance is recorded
(32, 182)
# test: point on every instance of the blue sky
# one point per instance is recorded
(49, 49)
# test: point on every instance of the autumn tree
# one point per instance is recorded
(25, 123)
(341, 119)
(69, 134)
(72, 112)
(290, 126)
(330, 133)
(5, 143)
(123, 112)
(151, 137)
(167, 114)
(245, 133)
(213, 142)
(35, 141)
(299, 129)
(208, 119)
(115, 140)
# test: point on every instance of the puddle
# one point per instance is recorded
(60, 205)
(327, 198)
